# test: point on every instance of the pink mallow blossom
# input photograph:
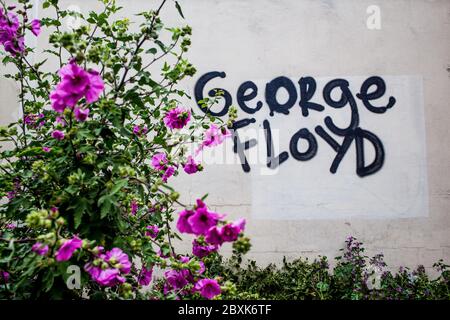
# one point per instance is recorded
(168, 173)
(40, 248)
(11, 226)
(75, 84)
(10, 38)
(81, 114)
(182, 224)
(197, 221)
(176, 279)
(160, 161)
(201, 251)
(177, 118)
(58, 135)
(214, 236)
(152, 231)
(4, 277)
(134, 207)
(67, 249)
(36, 27)
(117, 258)
(231, 231)
(191, 167)
(145, 277)
(227, 233)
(105, 277)
(139, 130)
(208, 288)
(202, 220)
(214, 136)
(118, 264)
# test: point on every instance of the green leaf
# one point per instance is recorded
(79, 210)
(48, 280)
(119, 185)
(177, 5)
(204, 197)
(105, 203)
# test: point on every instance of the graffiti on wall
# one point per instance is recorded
(336, 94)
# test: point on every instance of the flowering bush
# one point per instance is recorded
(355, 276)
(84, 173)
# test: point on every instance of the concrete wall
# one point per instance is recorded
(263, 39)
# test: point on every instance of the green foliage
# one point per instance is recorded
(101, 168)
(354, 277)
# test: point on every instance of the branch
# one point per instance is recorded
(138, 47)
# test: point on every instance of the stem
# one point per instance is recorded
(59, 32)
(138, 47)
(169, 238)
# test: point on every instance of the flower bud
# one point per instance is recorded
(60, 221)
(48, 223)
(174, 196)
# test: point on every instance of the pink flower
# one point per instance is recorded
(202, 220)
(176, 279)
(40, 248)
(75, 84)
(208, 288)
(134, 207)
(215, 136)
(60, 121)
(9, 25)
(168, 173)
(152, 231)
(230, 232)
(177, 118)
(111, 276)
(12, 41)
(182, 224)
(58, 135)
(108, 277)
(159, 161)
(139, 131)
(12, 194)
(46, 149)
(184, 259)
(190, 167)
(198, 221)
(95, 87)
(11, 226)
(34, 120)
(36, 27)
(118, 258)
(81, 114)
(15, 46)
(57, 98)
(202, 268)
(145, 277)
(67, 249)
(214, 236)
(202, 251)
(4, 277)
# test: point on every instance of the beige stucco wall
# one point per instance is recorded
(262, 39)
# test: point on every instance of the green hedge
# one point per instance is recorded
(354, 277)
